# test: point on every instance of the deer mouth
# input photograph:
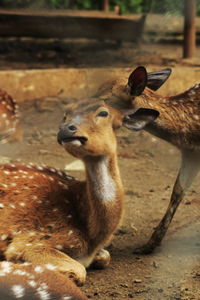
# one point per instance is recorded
(80, 139)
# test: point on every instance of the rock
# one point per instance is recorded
(137, 281)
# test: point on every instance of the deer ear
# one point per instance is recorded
(156, 79)
(140, 118)
(137, 81)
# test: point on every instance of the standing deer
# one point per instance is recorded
(48, 217)
(178, 123)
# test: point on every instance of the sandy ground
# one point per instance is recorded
(148, 167)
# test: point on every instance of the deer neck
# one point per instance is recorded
(104, 195)
(164, 126)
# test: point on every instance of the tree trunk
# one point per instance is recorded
(105, 5)
(189, 28)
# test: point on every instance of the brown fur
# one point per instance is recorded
(36, 282)
(9, 118)
(178, 123)
(47, 216)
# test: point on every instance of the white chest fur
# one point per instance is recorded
(102, 183)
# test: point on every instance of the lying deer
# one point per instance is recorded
(178, 123)
(27, 281)
(48, 217)
(40, 282)
(9, 118)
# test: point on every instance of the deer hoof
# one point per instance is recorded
(77, 274)
(101, 260)
(145, 249)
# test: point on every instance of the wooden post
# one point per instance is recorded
(189, 28)
(105, 5)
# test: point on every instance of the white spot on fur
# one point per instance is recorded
(32, 283)
(6, 267)
(44, 286)
(4, 185)
(12, 205)
(6, 172)
(196, 86)
(9, 107)
(59, 247)
(20, 272)
(40, 168)
(70, 232)
(4, 116)
(4, 237)
(1, 205)
(195, 117)
(18, 290)
(34, 197)
(22, 204)
(44, 295)
(39, 269)
(17, 192)
(50, 267)
(66, 298)
(26, 264)
(26, 187)
(60, 183)
(13, 184)
(31, 233)
(16, 232)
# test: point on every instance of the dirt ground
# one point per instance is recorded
(148, 167)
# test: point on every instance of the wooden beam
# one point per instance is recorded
(189, 28)
(61, 26)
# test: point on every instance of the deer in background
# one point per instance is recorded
(48, 217)
(178, 123)
(26, 281)
(9, 118)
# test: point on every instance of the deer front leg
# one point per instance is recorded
(188, 171)
(19, 251)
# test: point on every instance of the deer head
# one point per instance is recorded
(127, 97)
(77, 132)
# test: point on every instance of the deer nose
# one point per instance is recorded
(65, 132)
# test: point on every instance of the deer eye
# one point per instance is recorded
(64, 118)
(102, 113)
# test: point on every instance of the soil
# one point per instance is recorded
(148, 167)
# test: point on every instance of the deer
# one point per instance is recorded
(37, 282)
(175, 119)
(9, 118)
(25, 280)
(49, 217)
